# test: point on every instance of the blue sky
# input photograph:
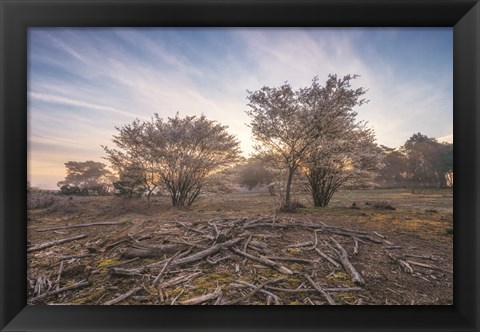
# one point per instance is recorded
(82, 82)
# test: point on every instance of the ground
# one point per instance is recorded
(405, 255)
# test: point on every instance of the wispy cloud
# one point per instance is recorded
(83, 82)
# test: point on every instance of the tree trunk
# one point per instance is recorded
(288, 202)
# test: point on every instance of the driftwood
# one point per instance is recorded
(203, 298)
(56, 242)
(79, 225)
(320, 290)
(343, 256)
(263, 260)
(61, 290)
(124, 296)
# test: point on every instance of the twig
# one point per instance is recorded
(247, 242)
(277, 300)
(424, 257)
(157, 278)
(404, 265)
(204, 253)
(176, 297)
(308, 290)
(124, 296)
(256, 289)
(61, 290)
(379, 235)
(124, 262)
(203, 298)
(60, 269)
(291, 259)
(79, 225)
(355, 247)
(343, 256)
(54, 243)
(320, 290)
(328, 258)
(178, 280)
(263, 260)
(428, 266)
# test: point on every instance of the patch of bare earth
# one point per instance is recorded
(234, 250)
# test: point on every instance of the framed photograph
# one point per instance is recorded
(193, 163)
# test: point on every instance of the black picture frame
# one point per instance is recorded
(17, 16)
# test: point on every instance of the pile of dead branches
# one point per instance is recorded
(221, 261)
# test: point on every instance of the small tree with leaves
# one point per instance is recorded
(179, 155)
(291, 124)
(85, 178)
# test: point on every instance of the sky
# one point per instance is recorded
(84, 82)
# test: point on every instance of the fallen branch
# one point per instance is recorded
(204, 253)
(178, 280)
(290, 259)
(60, 269)
(61, 290)
(404, 265)
(79, 225)
(328, 258)
(255, 291)
(149, 251)
(203, 298)
(277, 300)
(263, 260)
(56, 242)
(431, 267)
(124, 296)
(308, 290)
(423, 257)
(355, 247)
(343, 256)
(320, 290)
(118, 271)
(167, 264)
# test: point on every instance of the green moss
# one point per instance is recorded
(347, 297)
(126, 222)
(342, 278)
(108, 262)
(295, 303)
(293, 251)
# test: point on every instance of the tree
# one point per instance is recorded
(180, 154)
(134, 161)
(429, 162)
(254, 173)
(290, 124)
(85, 178)
(351, 159)
(395, 171)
